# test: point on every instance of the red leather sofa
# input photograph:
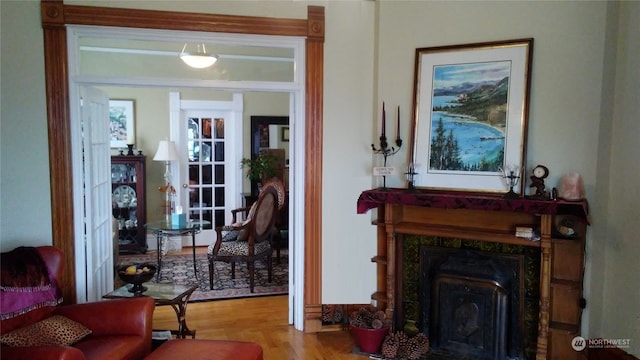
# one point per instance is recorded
(194, 349)
(120, 329)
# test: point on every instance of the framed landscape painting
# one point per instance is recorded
(470, 106)
(121, 123)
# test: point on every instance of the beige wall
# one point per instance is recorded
(347, 238)
(25, 209)
(576, 124)
(152, 125)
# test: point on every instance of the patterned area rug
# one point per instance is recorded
(178, 269)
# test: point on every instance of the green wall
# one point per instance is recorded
(583, 118)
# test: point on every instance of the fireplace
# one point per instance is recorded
(552, 267)
(471, 303)
(473, 299)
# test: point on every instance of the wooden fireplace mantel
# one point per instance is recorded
(490, 219)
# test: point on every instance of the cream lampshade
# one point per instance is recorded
(167, 152)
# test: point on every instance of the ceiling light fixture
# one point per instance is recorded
(199, 59)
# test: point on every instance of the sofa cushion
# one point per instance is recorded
(198, 349)
(56, 330)
(241, 248)
(115, 347)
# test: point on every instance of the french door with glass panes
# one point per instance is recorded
(209, 139)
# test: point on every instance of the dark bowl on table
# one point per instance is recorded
(144, 273)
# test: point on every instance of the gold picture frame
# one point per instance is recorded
(471, 113)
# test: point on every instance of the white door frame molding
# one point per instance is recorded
(297, 116)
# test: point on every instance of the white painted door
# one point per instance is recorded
(209, 175)
(98, 241)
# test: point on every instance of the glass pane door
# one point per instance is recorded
(209, 171)
(205, 147)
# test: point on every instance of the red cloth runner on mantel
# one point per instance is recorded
(370, 199)
(25, 283)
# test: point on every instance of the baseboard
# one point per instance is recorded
(331, 328)
(335, 317)
(312, 325)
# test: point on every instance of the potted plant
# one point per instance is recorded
(369, 328)
(260, 168)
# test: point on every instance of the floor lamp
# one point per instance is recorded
(167, 152)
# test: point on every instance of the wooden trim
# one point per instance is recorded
(170, 20)
(383, 265)
(312, 318)
(59, 134)
(545, 286)
(55, 15)
(313, 173)
(315, 24)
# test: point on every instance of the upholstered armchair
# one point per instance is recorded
(251, 239)
(112, 329)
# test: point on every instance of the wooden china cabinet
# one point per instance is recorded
(128, 198)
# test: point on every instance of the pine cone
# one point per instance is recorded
(390, 346)
(358, 321)
(326, 314)
(338, 314)
(332, 314)
(403, 341)
(366, 315)
(417, 346)
(362, 318)
(368, 319)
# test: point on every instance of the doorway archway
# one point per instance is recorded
(56, 15)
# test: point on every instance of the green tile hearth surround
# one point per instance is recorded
(411, 271)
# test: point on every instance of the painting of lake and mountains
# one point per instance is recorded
(469, 117)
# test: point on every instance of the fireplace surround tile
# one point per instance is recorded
(409, 292)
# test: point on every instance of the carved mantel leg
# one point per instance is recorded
(545, 287)
(391, 266)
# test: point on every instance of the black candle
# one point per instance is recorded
(398, 127)
(383, 120)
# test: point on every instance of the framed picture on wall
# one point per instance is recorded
(471, 114)
(121, 123)
(284, 133)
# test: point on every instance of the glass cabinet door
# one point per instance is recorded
(127, 202)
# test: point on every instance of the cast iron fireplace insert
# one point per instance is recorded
(472, 303)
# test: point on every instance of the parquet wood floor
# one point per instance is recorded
(262, 320)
